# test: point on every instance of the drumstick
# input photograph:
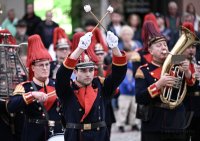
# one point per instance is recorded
(87, 8)
(109, 10)
(51, 93)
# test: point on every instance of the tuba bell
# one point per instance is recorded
(173, 96)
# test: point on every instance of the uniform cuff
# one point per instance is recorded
(28, 98)
(70, 63)
(191, 81)
(120, 60)
(153, 90)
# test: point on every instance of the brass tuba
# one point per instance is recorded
(173, 96)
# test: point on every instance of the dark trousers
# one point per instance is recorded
(194, 130)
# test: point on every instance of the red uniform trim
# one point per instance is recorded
(153, 90)
(86, 97)
(156, 73)
(148, 57)
(120, 60)
(70, 63)
(192, 80)
(28, 98)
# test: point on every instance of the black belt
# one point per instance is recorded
(86, 126)
(51, 123)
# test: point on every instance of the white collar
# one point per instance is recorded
(40, 83)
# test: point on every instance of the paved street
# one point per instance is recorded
(126, 136)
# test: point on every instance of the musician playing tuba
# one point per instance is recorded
(159, 121)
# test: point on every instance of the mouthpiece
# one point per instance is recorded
(166, 52)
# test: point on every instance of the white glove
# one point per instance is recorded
(85, 41)
(112, 40)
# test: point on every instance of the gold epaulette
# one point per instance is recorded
(135, 56)
(139, 73)
(19, 89)
(101, 79)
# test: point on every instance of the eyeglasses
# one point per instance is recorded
(41, 66)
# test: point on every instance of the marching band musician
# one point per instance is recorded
(8, 126)
(85, 97)
(62, 45)
(103, 71)
(192, 98)
(143, 56)
(159, 122)
(37, 97)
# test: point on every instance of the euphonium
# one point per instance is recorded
(173, 96)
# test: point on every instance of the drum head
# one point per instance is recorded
(57, 137)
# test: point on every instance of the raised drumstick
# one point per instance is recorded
(87, 9)
(109, 10)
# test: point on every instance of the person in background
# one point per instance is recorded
(46, 28)
(116, 22)
(62, 47)
(127, 105)
(21, 35)
(190, 8)
(10, 22)
(89, 25)
(164, 30)
(31, 19)
(172, 19)
(134, 22)
(192, 98)
(126, 43)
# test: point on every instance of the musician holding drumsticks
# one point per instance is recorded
(37, 97)
(85, 98)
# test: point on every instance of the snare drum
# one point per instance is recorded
(57, 137)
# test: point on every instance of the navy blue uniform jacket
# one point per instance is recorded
(72, 108)
(33, 110)
(161, 119)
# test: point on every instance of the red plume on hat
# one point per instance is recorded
(151, 34)
(98, 38)
(60, 39)
(36, 52)
(10, 39)
(90, 51)
(149, 17)
(189, 26)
